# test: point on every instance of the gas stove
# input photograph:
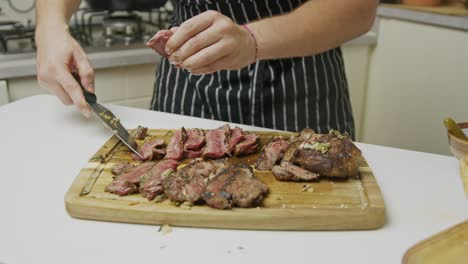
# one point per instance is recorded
(94, 29)
(16, 37)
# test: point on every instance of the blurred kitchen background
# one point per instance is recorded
(405, 76)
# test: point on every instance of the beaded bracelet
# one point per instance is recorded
(254, 38)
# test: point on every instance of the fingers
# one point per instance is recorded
(72, 88)
(207, 55)
(215, 66)
(190, 28)
(195, 44)
(85, 70)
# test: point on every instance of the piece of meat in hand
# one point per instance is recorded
(216, 140)
(188, 183)
(150, 150)
(175, 148)
(236, 185)
(152, 181)
(272, 153)
(247, 146)
(158, 42)
(127, 183)
(332, 155)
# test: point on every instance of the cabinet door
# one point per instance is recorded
(418, 76)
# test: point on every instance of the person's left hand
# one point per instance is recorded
(210, 42)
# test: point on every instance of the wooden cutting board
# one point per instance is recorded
(448, 247)
(322, 205)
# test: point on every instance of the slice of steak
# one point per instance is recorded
(289, 172)
(193, 154)
(237, 135)
(332, 155)
(122, 183)
(121, 168)
(175, 148)
(140, 132)
(122, 188)
(188, 183)
(247, 146)
(272, 153)
(291, 152)
(216, 142)
(158, 42)
(152, 182)
(195, 139)
(147, 150)
(236, 185)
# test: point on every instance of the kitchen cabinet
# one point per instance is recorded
(418, 76)
(124, 85)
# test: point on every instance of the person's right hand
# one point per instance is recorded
(58, 54)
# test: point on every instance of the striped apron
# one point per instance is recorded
(285, 94)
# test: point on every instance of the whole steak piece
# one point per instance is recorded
(236, 185)
(332, 155)
(188, 183)
(175, 148)
(272, 153)
(152, 182)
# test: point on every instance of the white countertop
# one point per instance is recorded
(44, 145)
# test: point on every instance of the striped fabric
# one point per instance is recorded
(285, 94)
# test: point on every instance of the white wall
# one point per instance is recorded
(9, 14)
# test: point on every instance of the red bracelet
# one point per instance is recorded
(254, 38)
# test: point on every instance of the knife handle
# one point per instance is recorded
(89, 97)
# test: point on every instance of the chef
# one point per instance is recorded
(268, 63)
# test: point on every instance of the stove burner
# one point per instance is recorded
(15, 31)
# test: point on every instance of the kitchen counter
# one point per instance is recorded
(44, 146)
(24, 64)
(445, 17)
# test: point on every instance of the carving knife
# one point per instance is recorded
(109, 119)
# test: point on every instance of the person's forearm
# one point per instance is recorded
(54, 14)
(314, 27)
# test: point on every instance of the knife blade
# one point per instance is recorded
(109, 119)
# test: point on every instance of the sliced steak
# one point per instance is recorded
(332, 155)
(140, 132)
(188, 183)
(175, 148)
(237, 135)
(195, 139)
(289, 172)
(121, 168)
(147, 150)
(158, 42)
(127, 183)
(272, 153)
(247, 146)
(216, 142)
(152, 182)
(193, 154)
(236, 185)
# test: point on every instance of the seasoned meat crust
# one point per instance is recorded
(331, 155)
(236, 185)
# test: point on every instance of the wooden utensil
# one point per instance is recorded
(449, 246)
(453, 127)
(321, 205)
